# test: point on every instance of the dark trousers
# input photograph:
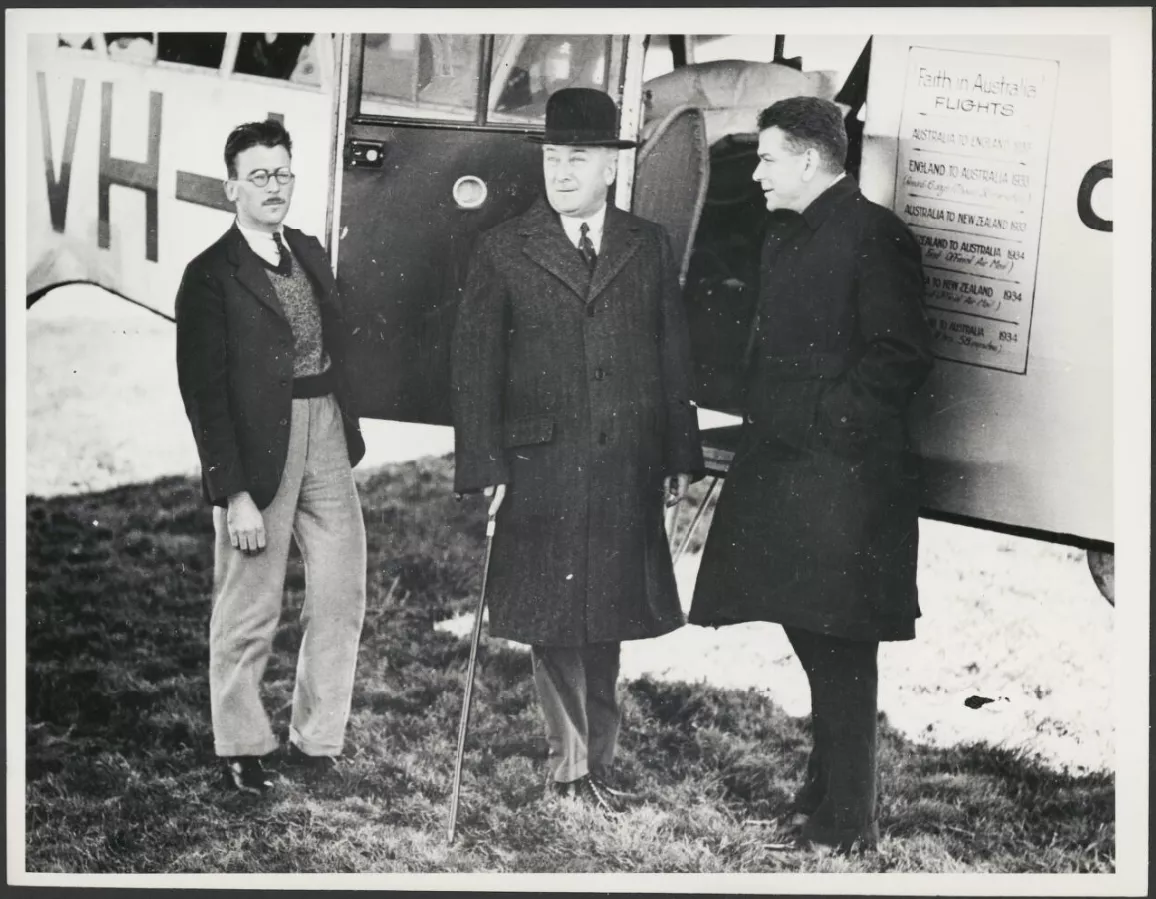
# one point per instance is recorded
(839, 793)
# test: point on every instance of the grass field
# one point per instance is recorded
(120, 773)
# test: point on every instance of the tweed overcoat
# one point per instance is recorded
(235, 364)
(574, 390)
(817, 525)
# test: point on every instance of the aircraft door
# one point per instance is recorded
(435, 151)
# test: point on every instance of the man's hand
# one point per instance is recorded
(676, 487)
(498, 492)
(246, 526)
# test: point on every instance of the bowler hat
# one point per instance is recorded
(581, 117)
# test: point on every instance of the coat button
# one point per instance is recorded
(599, 374)
(602, 438)
(284, 421)
(590, 311)
(843, 419)
(284, 382)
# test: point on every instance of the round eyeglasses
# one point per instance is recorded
(260, 177)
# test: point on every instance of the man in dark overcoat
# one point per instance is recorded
(571, 398)
(817, 528)
(260, 350)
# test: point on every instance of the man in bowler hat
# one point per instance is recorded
(818, 526)
(571, 402)
(260, 341)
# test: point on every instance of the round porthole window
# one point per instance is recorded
(470, 192)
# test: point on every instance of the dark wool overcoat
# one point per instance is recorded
(574, 390)
(235, 364)
(817, 526)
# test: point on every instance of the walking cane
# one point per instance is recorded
(464, 723)
(694, 522)
(671, 522)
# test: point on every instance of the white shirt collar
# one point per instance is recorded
(261, 242)
(595, 222)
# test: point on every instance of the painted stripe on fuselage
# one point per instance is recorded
(142, 176)
(58, 188)
(202, 190)
(190, 187)
(206, 191)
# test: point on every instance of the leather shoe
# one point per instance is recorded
(589, 792)
(623, 797)
(314, 764)
(843, 850)
(246, 774)
(793, 839)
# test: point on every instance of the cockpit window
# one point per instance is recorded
(421, 76)
(280, 55)
(195, 48)
(527, 68)
(77, 41)
(139, 46)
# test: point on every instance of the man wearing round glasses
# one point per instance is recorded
(260, 365)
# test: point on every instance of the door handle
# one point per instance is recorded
(364, 154)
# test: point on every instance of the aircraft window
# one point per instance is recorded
(826, 52)
(308, 69)
(527, 68)
(658, 60)
(79, 41)
(286, 57)
(135, 45)
(714, 47)
(836, 53)
(421, 76)
(195, 48)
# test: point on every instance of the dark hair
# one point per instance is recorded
(810, 123)
(270, 133)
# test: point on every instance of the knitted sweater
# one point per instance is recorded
(299, 301)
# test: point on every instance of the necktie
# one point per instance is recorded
(586, 248)
(285, 261)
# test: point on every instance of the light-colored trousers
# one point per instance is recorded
(316, 505)
(576, 688)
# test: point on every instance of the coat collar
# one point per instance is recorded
(621, 238)
(548, 246)
(828, 201)
(250, 273)
(306, 250)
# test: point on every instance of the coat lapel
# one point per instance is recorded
(305, 250)
(250, 274)
(548, 246)
(620, 241)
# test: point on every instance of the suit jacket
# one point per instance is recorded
(235, 364)
(574, 390)
(818, 526)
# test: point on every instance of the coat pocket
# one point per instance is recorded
(528, 430)
(838, 436)
(783, 413)
(883, 435)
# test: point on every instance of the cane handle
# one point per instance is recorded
(498, 492)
